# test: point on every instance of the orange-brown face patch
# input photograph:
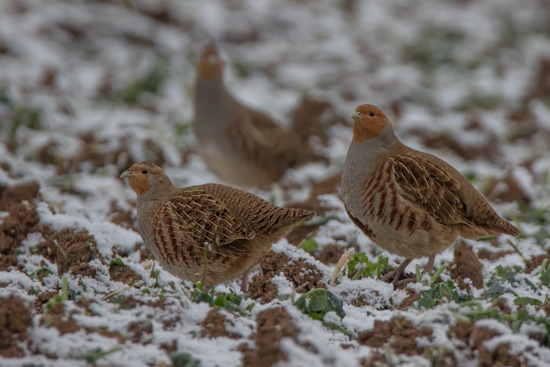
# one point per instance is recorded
(139, 180)
(369, 123)
(210, 65)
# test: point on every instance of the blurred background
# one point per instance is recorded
(89, 87)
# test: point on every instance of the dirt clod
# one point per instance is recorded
(299, 272)
(138, 329)
(213, 325)
(22, 219)
(122, 273)
(55, 316)
(18, 193)
(15, 319)
(398, 333)
(72, 251)
(273, 325)
(466, 265)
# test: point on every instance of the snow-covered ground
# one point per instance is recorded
(89, 87)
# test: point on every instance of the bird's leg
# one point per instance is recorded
(428, 269)
(397, 272)
(430, 265)
(244, 282)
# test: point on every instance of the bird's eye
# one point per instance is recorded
(371, 113)
(145, 172)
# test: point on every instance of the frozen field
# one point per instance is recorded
(89, 87)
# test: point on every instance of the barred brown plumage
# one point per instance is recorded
(410, 203)
(240, 145)
(178, 223)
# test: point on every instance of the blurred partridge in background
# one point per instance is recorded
(410, 203)
(177, 223)
(240, 145)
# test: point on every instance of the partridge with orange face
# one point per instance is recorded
(410, 203)
(178, 225)
(240, 145)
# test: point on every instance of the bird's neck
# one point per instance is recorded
(212, 99)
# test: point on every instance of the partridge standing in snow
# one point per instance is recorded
(179, 225)
(410, 203)
(242, 146)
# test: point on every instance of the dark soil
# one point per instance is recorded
(397, 333)
(466, 265)
(489, 255)
(273, 325)
(411, 298)
(72, 251)
(300, 273)
(123, 274)
(474, 337)
(332, 253)
(16, 194)
(22, 219)
(139, 329)
(55, 316)
(15, 319)
(535, 262)
(213, 325)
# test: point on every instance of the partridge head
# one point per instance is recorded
(410, 203)
(210, 233)
(239, 144)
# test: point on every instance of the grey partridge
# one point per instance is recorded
(180, 225)
(410, 203)
(240, 145)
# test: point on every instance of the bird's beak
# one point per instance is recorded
(356, 116)
(126, 174)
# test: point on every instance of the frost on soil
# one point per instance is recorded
(88, 88)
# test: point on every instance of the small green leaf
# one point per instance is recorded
(527, 301)
(309, 245)
(117, 261)
(184, 360)
(318, 302)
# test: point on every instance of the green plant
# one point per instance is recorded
(473, 310)
(60, 298)
(318, 302)
(184, 360)
(309, 245)
(438, 292)
(505, 280)
(41, 273)
(149, 82)
(545, 273)
(229, 301)
(92, 356)
(360, 267)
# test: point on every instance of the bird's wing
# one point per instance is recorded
(262, 140)
(200, 218)
(425, 185)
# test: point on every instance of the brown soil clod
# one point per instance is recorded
(72, 251)
(398, 333)
(122, 273)
(18, 193)
(15, 319)
(299, 273)
(214, 323)
(273, 325)
(466, 265)
(22, 219)
(55, 316)
(138, 329)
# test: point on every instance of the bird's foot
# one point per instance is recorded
(403, 282)
(395, 275)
